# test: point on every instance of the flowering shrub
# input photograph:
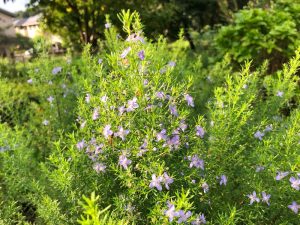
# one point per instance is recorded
(157, 139)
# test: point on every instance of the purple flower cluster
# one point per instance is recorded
(99, 167)
(125, 52)
(254, 198)
(124, 161)
(141, 55)
(281, 175)
(196, 162)
(56, 70)
(189, 99)
(156, 181)
(295, 183)
(135, 38)
(223, 180)
(93, 150)
(132, 105)
(294, 207)
(182, 216)
(122, 133)
(95, 115)
(200, 131)
(107, 132)
(259, 135)
(50, 99)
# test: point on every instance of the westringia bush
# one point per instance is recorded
(143, 149)
(158, 138)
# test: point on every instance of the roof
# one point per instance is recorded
(33, 20)
(7, 13)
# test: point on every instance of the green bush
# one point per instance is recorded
(155, 135)
(257, 34)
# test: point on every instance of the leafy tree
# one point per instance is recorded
(83, 21)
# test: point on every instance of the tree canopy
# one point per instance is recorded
(81, 21)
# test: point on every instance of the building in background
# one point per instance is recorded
(6, 23)
(11, 29)
(31, 27)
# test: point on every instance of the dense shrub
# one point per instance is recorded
(156, 136)
(258, 34)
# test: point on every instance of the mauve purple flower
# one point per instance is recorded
(281, 175)
(199, 220)
(259, 168)
(160, 95)
(149, 107)
(196, 162)
(124, 161)
(172, 64)
(141, 55)
(295, 183)
(121, 109)
(95, 114)
(50, 99)
(167, 180)
(174, 142)
(155, 182)
(87, 98)
(253, 198)
(132, 105)
(141, 152)
(98, 149)
(122, 133)
(176, 131)
(269, 128)
(29, 81)
(46, 122)
(107, 131)
(200, 131)
(223, 180)
(280, 93)
(56, 70)
(190, 100)
(144, 145)
(145, 82)
(171, 212)
(183, 126)
(173, 110)
(135, 38)
(82, 125)
(80, 145)
(265, 197)
(161, 135)
(205, 187)
(183, 217)
(163, 70)
(294, 207)
(107, 25)
(125, 52)
(104, 99)
(99, 167)
(259, 135)
(100, 61)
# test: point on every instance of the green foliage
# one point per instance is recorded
(94, 216)
(263, 33)
(157, 135)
